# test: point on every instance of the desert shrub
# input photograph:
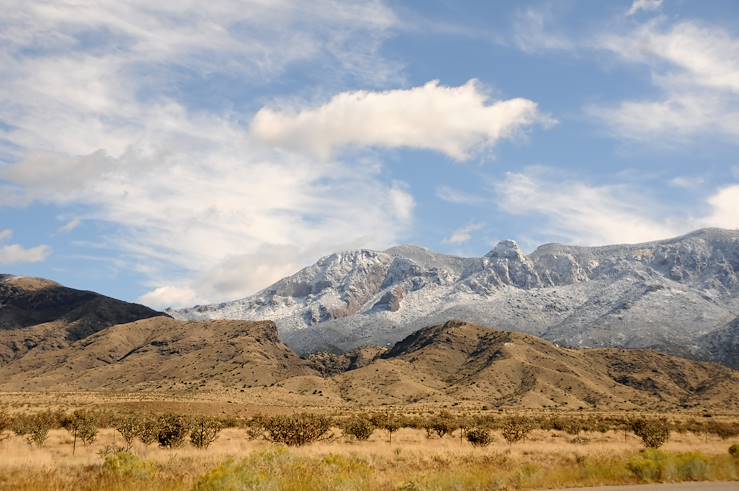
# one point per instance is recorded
(129, 427)
(281, 469)
(297, 429)
(653, 433)
(6, 423)
(734, 450)
(723, 430)
(148, 431)
(388, 422)
(122, 464)
(360, 427)
(656, 465)
(515, 429)
(204, 431)
(443, 424)
(478, 436)
(172, 430)
(82, 425)
(36, 427)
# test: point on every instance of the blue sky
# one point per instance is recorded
(177, 153)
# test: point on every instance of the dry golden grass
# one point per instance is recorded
(545, 458)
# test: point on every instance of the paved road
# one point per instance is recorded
(698, 486)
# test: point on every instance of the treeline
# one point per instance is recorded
(172, 430)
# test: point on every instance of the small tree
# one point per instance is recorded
(148, 431)
(391, 424)
(36, 428)
(515, 429)
(443, 424)
(172, 430)
(478, 436)
(82, 425)
(360, 427)
(297, 429)
(129, 427)
(204, 431)
(653, 433)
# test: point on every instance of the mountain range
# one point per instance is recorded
(677, 296)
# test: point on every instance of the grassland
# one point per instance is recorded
(546, 458)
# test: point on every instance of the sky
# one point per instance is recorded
(182, 153)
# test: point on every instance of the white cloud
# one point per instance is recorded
(5, 234)
(724, 208)
(533, 31)
(586, 214)
(696, 68)
(683, 182)
(455, 121)
(204, 210)
(169, 296)
(464, 234)
(15, 253)
(70, 226)
(459, 197)
(644, 5)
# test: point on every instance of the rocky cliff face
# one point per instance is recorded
(669, 295)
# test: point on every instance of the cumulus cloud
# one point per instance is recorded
(696, 68)
(464, 234)
(206, 212)
(582, 213)
(15, 253)
(455, 121)
(644, 5)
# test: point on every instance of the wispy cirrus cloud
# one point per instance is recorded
(464, 234)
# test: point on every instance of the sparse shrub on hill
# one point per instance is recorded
(516, 428)
(296, 430)
(734, 450)
(360, 427)
(653, 433)
(478, 436)
(204, 431)
(80, 424)
(130, 427)
(172, 430)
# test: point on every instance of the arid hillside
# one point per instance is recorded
(39, 315)
(452, 364)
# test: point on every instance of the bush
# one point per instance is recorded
(297, 429)
(82, 425)
(122, 464)
(360, 427)
(388, 422)
(443, 424)
(149, 430)
(653, 433)
(129, 427)
(36, 427)
(515, 429)
(478, 436)
(6, 423)
(172, 430)
(734, 450)
(204, 431)
(656, 465)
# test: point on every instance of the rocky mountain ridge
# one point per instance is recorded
(668, 295)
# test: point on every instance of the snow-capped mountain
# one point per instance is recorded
(669, 295)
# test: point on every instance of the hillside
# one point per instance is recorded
(161, 354)
(450, 364)
(456, 361)
(666, 295)
(39, 315)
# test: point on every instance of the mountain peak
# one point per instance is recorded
(507, 249)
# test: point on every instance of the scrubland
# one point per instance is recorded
(355, 451)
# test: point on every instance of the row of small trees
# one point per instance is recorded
(171, 430)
